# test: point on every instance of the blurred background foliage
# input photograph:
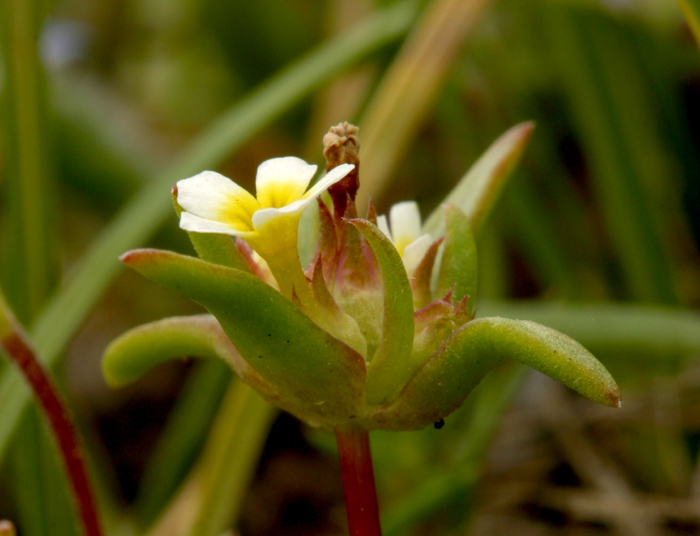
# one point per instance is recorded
(105, 104)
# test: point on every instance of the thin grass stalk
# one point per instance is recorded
(28, 260)
(409, 90)
(691, 10)
(230, 458)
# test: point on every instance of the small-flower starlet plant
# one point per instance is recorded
(377, 332)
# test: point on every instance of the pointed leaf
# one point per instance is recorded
(388, 370)
(278, 340)
(461, 362)
(477, 192)
(458, 266)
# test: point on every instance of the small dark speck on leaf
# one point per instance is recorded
(439, 424)
(269, 334)
(259, 357)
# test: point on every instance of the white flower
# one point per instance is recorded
(406, 234)
(213, 203)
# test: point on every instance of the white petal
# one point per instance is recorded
(414, 252)
(329, 179)
(191, 222)
(208, 194)
(265, 215)
(281, 181)
(384, 226)
(405, 223)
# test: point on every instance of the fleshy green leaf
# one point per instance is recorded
(279, 341)
(458, 267)
(137, 351)
(457, 367)
(389, 369)
(477, 192)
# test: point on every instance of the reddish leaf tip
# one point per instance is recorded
(614, 399)
(133, 256)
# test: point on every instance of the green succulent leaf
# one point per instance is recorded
(388, 369)
(441, 385)
(477, 192)
(140, 349)
(304, 363)
(458, 267)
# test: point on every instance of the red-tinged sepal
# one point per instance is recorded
(257, 265)
(371, 213)
(389, 367)
(422, 277)
(434, 324)
(328, 248)
(458, 265)
(332, 318)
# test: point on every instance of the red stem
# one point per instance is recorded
(55, 411)
(358, 482)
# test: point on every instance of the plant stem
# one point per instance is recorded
(358, 481)
(54, 408)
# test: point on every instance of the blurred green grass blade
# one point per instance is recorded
(408, 91)
(535, 231)
(441, 490)
(28, 477)
(29, 250)
(649, 334)
(231, 457)
(149, 208)
(492, 265)
(614, 120)
(29, 238)
(182, 439)
(103, 149)
(691, 10)
(44, 504)
(476, 193)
